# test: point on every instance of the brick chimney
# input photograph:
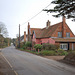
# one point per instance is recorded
(63, 26)
(28, 31)
(47, 24)
(28, 27)
(24, 36)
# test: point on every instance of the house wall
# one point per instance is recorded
(72, 45)
(33, 38)
(60, 29)
(45, 40)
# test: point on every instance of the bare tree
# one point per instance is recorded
(3, 29)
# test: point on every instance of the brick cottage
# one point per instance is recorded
(58, 33)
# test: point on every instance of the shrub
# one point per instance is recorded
(70, 56)
(28, 44)
(61, 52)
(22, 44)
(38, 46)
(57, 46)
(47, 53)
(50, 46)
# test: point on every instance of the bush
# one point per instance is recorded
(47, 53)
(57, 47)
(61, 52)
(70, 56)
(38, 46)
(28, 44)
(50, 46)
(22, 44)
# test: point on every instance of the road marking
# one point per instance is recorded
(9, 64)
(15, 72)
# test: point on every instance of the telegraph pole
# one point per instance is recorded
(19, 35)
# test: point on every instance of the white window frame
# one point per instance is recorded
(64, 45)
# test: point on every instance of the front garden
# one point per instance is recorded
(43, 50)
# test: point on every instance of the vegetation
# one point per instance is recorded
(44, 50)
(28, 44)
(63, 7)
(25, 45)
(61, 52)
(4, 41)
(38, 46)
(3, 30)
(47, 53)
(48, 46)
(70, 58)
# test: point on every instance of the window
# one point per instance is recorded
(67, 34)
(59, 34)
(64, 46)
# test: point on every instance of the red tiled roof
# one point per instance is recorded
(45, 32)
(34, 29)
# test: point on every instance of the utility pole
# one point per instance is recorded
(19, 35)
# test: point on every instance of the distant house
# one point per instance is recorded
(58, 33)
(23, 38)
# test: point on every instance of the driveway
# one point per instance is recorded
(24, 63)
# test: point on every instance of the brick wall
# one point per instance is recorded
(66, 29)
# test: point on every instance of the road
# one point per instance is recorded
(25, 63)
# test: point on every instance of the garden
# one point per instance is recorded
(43, 50)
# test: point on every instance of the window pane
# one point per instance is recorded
(59, 34)
(67, 34)
(64, 46)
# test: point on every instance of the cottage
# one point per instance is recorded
(58, 33)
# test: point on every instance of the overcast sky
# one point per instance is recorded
(15, 12)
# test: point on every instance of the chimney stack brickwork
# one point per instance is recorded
(47, 24)
(29, 36)
(24, 36)
(63, 27)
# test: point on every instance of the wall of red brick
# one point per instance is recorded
(70, 46)
(43, 40)
(66, 29)
(74, 46)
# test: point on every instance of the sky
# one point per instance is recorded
(15, 12)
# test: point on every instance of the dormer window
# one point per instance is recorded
(67, 34)
(59, 34)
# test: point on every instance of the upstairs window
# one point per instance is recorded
(67, 34)
(59, 34)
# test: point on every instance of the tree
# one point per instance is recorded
(63, 8)
(3, 30)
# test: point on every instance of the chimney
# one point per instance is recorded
(64, 20)
(28, 31)
(24, 36)
(47, 24)
(28, 27)
(63, 26)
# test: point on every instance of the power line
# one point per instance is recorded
(35, 15)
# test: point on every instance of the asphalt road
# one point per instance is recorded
(25, 63)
